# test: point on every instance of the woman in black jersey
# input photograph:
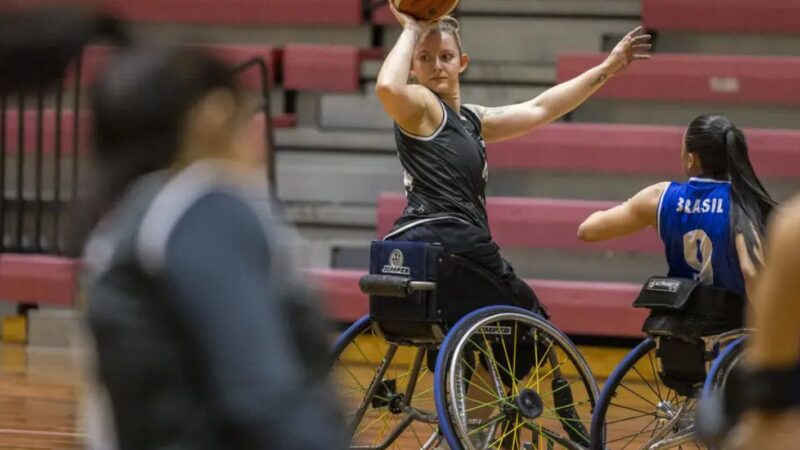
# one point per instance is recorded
(204, 338)
(441, 141)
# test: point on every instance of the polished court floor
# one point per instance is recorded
(42, 394)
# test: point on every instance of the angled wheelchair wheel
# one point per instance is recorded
(715, 417)
(385, 390)
(508, 379)
(728, 358)
(637, 411)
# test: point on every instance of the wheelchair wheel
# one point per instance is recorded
(715, 417)
(722, 366)
(385, 389)
(637, 411)
(507, 379)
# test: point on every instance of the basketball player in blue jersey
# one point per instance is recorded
(711, 225)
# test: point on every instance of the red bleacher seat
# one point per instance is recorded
(535, 223)
(239, 54)
(640, 149)
(580, 308)
(241, 12)
(383, 16)
(600, 309)
(332, 68)
(741, 16)
(38, 279)
(49, 126)
(697, 78)
(96, 57)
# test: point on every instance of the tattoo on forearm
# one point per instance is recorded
(479, 111)
(599, 80)
(482, 112)
(495, 111)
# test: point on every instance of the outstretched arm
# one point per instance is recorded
(638, 212)
(506, 122)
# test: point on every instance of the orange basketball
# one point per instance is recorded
(425, 9)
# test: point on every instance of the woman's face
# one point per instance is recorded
(437, 62)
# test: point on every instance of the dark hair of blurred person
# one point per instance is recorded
(38, 41)
(204, 339)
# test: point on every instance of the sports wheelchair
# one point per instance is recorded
(695, 338)
(444, 356)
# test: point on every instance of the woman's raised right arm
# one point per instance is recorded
(407, 104)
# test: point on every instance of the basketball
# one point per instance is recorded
(425, 9)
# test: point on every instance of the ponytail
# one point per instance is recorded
(752, 203)
(722, 150)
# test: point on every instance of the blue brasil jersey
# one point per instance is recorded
(694, 224)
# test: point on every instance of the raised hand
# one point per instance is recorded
(408, 22)
(635, 45)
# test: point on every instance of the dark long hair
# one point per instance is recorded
(723, 153)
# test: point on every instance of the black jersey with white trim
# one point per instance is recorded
(445, 174)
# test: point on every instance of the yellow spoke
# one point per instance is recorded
(567, 406)
(484, 390)
(474, 369)
(566, 422)
(419, 441)
(352, 375)
(475, 373)
(553, 392)
(538, 377)
(558, 366)
(362, 429)
(383, 430)
(514, 430)
(489, 355)
(483, 405)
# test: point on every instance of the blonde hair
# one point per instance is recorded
(448, 24)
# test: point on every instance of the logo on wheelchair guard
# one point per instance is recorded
(664, 285)
(395, 266)
(496, 330)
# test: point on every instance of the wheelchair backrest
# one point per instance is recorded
(461, 287)
(682, 312)
(407, 315)
(414, 260)
(688, 309)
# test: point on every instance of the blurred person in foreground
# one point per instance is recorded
(770, 383)
(204, 339)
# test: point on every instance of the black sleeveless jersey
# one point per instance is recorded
(444, 174)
